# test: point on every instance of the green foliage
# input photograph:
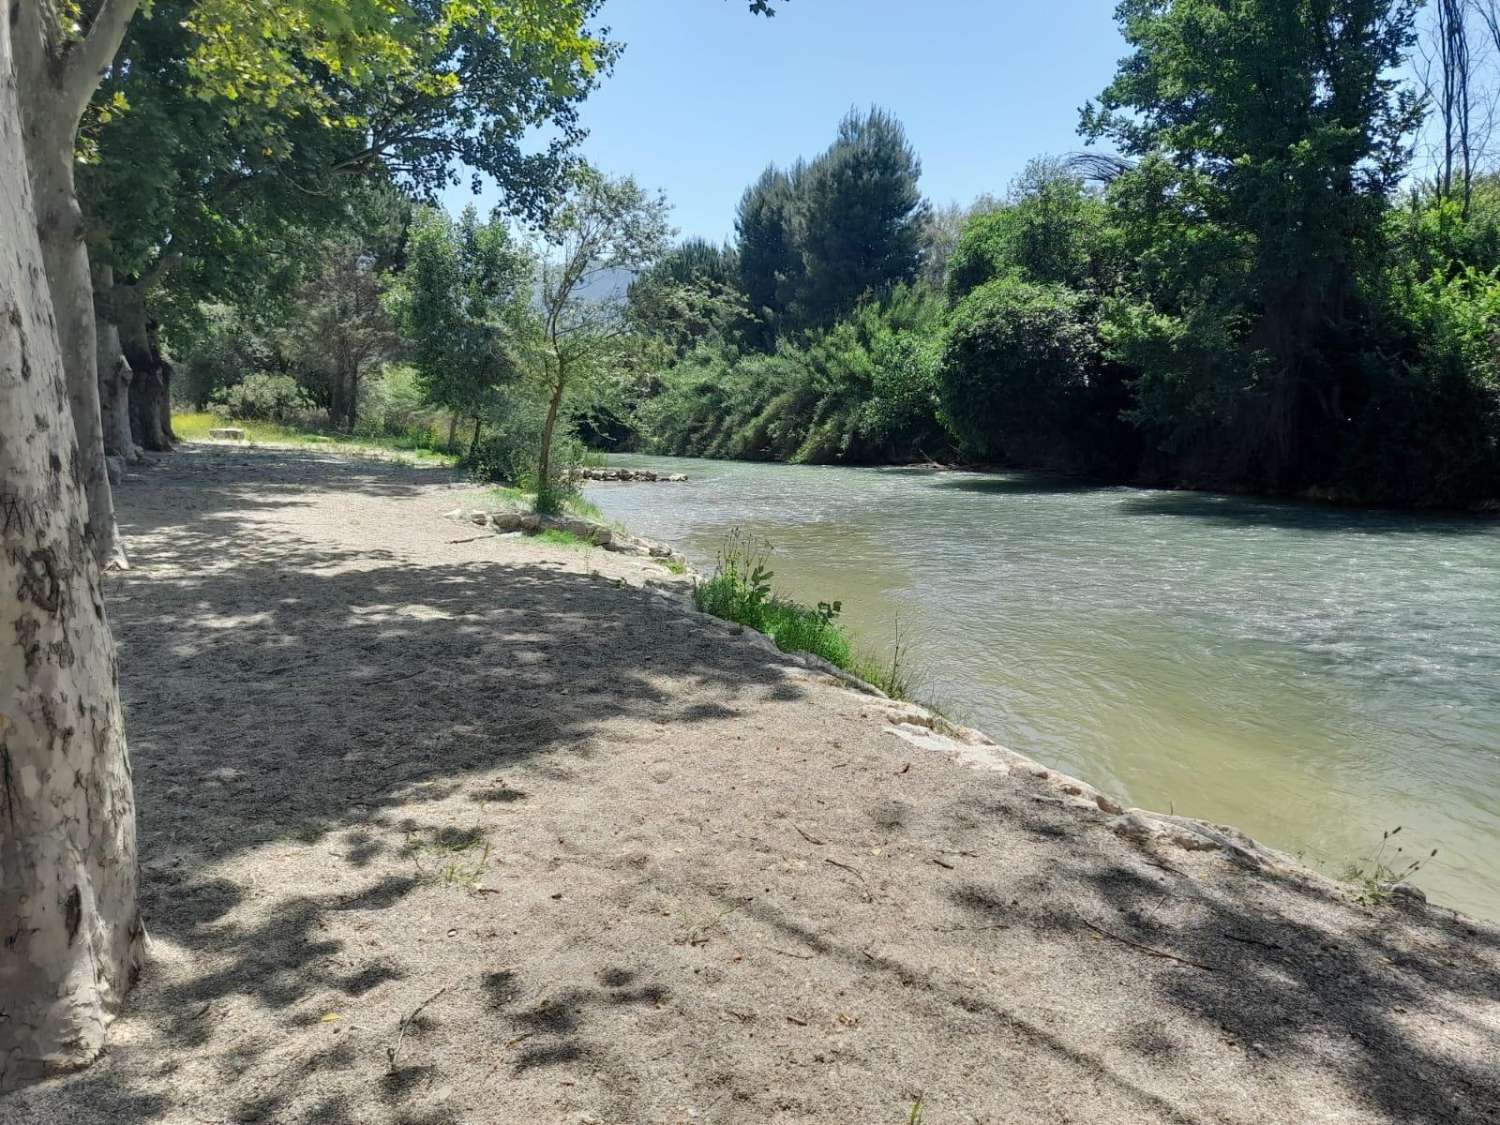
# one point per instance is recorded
(817, 239)
(464, 308)
(770, 261)
(1015, 368)
(740, 590)
(1283, 127)
(863, 390)
(690, 296)
(1428, 432)
(509, 448)
(1052, 230)
(264, 398)
(604, 228)
(860, 218)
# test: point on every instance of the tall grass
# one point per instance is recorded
(415, 449)
(740, 591)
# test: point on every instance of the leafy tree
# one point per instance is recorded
(68, 870)
(1050, 230)
(692, 294)
(466, 293)
(605, 227)
(1285, 123)
(343, 329)
(860, 217)
(1016, 360)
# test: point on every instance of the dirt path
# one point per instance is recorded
(440, 831)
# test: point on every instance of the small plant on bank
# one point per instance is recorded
(454, 857)
(740, 591)
(1374, 877)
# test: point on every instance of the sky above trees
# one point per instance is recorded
(705, 96)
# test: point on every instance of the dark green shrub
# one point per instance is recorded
(1015, 370)
(264, 398)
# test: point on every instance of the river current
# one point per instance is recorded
(1312, 675)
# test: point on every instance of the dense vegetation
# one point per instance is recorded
(1256, 292)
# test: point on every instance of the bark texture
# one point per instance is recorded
(68, 914)
(150, 391)
(115, 373)
(57, 75)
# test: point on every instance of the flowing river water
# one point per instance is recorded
(1312, 675)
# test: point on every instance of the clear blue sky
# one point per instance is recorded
(706, 94)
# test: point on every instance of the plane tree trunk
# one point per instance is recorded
(68, 913)
(150, 389)
(115, 374)
(56, 74)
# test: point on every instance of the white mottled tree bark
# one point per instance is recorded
(70, 932)
(57, 75)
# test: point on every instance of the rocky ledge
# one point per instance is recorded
(631, 475)
(509, 522)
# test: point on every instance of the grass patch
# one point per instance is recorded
(740, 591)
(415, 450)
(567, 539)
(514, 499)
(672, 566)
(452, 856)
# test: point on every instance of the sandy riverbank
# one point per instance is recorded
(439, 826)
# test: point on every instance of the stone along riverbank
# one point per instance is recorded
(444, 825)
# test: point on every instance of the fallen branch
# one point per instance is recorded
(1148, 949)
(407, 1021)
(809, 839)
(846, 867)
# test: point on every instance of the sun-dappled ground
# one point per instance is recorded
(439, 826)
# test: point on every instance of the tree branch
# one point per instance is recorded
(87, 63)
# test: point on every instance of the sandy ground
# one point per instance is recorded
(438, 826)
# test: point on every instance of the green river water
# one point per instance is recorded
(1312, 675)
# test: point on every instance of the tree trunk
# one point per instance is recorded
(67, 850)
(150, 401)
(66, 259)
(544, 498)
(474, 441)
(452, 430)
(114, 370)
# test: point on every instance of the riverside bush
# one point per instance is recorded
(1015, 368)
(265, 398)
(862, 391)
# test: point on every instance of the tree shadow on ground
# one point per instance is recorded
(281, 691)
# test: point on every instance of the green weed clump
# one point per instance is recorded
(1374, 877)
(740, 591)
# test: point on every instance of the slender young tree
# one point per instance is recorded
(606, 229)
(67, 814)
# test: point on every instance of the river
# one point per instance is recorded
(1312, 675)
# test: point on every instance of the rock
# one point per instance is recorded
(676, 477)
(515, 521)
(479, 519)
(114, 467)
(595, 533)
(1407, 896)
(1106, 805)
(1135, 828)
